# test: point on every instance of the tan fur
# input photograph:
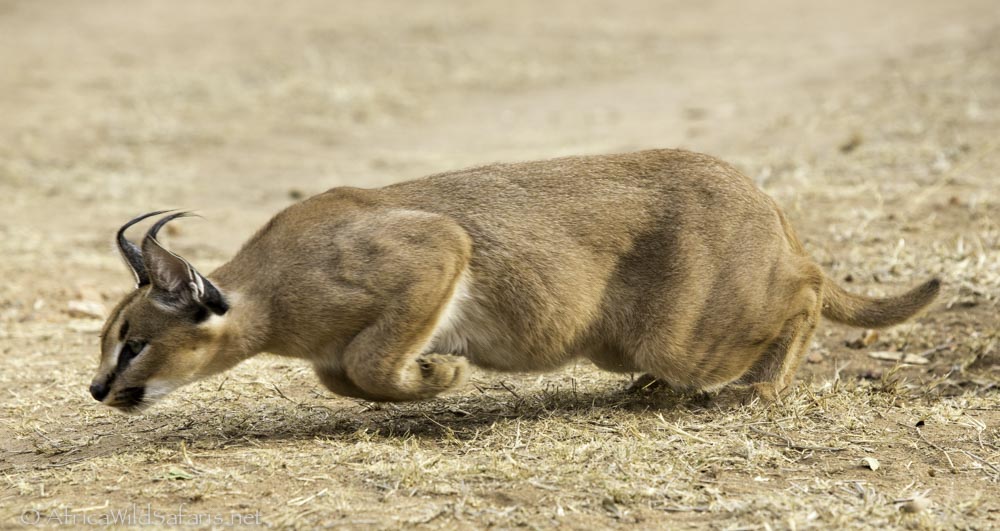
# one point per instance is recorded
(665, 262)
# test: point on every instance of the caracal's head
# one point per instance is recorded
(162, 335)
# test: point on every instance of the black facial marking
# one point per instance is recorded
(186, 306)
(130, 397)
(123, 332)
(214, 300)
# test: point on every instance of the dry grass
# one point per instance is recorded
(572, 449)
(882, 148)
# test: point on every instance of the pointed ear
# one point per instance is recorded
(130, 252)
(182, 285)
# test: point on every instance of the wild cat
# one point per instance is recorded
(663, 262)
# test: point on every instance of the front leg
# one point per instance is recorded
(736, 395)
(337, 382)
(438, 373)
(645, 383)
(389, 360)
(380, 366)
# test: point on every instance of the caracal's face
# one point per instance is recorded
(149, 348)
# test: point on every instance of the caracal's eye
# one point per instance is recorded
(131, 349)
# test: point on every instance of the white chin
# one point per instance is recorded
(156, 390)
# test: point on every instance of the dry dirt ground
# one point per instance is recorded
(875, 124)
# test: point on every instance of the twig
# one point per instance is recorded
(509, 390)
(66, 463)
(282, 395)
(685, 509)
(942, 450)
(438, 424)
(992, 467)
(793, 445)
(679, 431)
(935, 350)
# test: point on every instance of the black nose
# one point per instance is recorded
(99, 391)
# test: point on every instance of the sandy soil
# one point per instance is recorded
(877, 127)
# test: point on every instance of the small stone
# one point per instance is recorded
(815, 357)
(868, 337)
(85, 309)
(851, 143)
(916, 505)
(695, 113)
(87, 326)
(870, 463)
(443, 489)
(612, 507)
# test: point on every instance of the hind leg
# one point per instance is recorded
(775, 370)
(783, 377)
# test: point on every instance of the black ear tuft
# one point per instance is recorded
(130, 252)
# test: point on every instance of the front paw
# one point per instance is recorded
(731, 396)
(441, 372)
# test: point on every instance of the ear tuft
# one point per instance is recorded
(130, 252)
